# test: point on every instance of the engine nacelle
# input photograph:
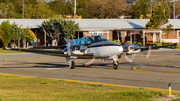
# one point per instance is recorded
(79, 48)
(83, 48)
(132, 48)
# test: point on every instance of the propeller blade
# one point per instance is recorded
(127, 57)
(68, 50)
(90, 62)
(149, 52)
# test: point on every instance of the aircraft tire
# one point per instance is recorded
(115, 66)
(72, 65)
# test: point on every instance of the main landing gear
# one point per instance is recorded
(70, 62)
(72, 66)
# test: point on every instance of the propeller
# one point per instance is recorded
(149, 52)
(90, 62)
(68, 50)
(129, 60)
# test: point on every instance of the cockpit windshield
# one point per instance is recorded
(90, 39)
(95, 38)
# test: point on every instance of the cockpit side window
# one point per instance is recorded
(99, 37)
(89, 40)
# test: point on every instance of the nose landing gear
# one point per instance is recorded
(115, 65)
(116, 61)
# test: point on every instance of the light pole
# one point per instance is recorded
(74, 9)
(174, 20)
(23, 10)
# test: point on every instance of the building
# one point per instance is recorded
(113, 29)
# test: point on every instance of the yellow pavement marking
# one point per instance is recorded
(108, 84)
(135, 68)
(108, 68)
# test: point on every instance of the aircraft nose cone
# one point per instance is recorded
(120, 49)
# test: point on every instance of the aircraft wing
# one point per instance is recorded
(57, 52)
(50, 47)
(156, 47)
(40, 51)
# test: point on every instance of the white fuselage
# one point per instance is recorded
(106, 51)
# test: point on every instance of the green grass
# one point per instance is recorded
(8, 51)
(14, 88)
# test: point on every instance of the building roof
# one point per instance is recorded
(31, 23)
(118, 24)
(96, 24)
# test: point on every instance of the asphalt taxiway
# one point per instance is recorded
(160, 69)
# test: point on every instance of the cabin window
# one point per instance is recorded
(79, 41)
(83, 41)
(75, 42)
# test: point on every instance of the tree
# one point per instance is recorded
(177, 7)
(158, 18)
(168, 29)
(69, 26)
(81, 8)
(15, 34)
(1, 32)
(56, 6)
(140, 7)
(107, 8)
(62, 7)
(39, 10)
(6, 27)
(24, 32)
(30, 35)
(167, 5)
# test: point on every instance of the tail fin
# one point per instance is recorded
(59, 34)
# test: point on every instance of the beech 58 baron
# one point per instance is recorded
(88, 47)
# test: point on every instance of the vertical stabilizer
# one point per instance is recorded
(59, 34)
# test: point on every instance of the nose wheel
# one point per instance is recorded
(72, 66)
(116, 61)
(115, 65)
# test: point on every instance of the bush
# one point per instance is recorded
(178, 46)
(118, 41)
(149, 43)
(140, 43)
(129, 42)
(164, 43)
(157, 44)
(110, 39)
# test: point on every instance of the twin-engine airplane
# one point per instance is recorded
(88, 47)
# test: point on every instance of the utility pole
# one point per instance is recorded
(174, 20)
(23, 10)
(74, 9)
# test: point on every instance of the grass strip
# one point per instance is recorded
(14, 88)
(9, 51)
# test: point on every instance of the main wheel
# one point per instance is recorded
(115, 66)
(72, 66)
